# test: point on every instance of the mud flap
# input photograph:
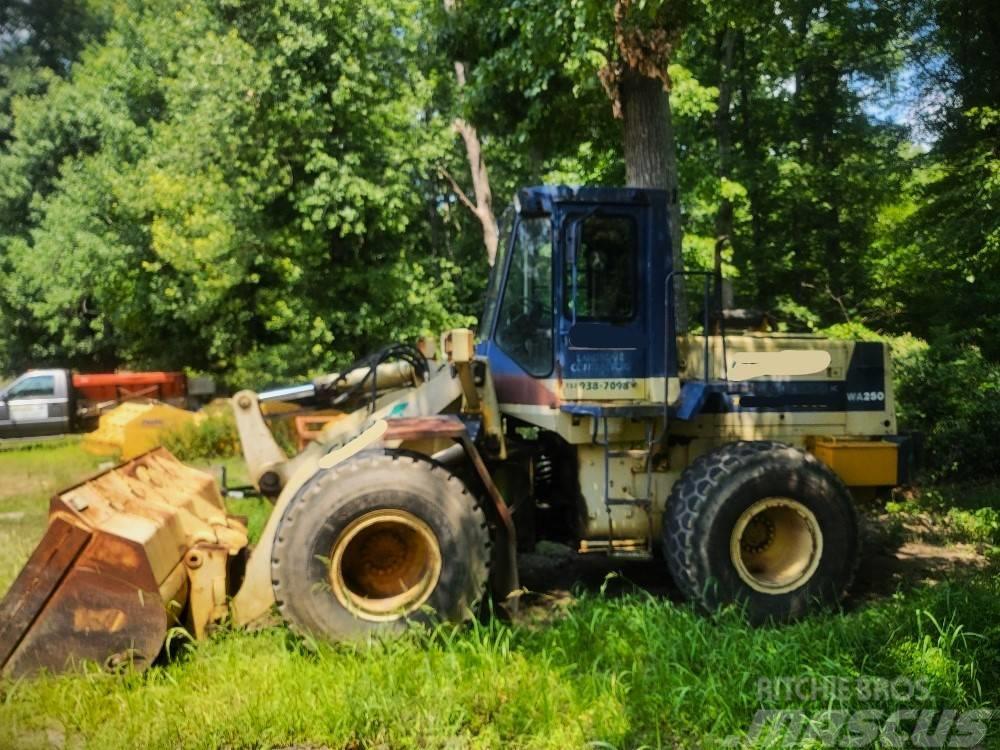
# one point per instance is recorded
(114, 570)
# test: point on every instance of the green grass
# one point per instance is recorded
(633, 671)
(956, 513)
(966, 496)
(29, 476)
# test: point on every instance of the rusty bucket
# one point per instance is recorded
(127, 555)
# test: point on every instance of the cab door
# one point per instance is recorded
(604, 329)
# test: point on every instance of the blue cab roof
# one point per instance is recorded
(541, 199)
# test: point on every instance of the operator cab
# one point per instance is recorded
(576, 308)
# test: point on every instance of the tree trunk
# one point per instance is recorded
(651, 159)
(751, 155)
(482, 204)
(724, 141)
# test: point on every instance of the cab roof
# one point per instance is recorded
(541, 199)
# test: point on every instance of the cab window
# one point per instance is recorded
(606, 270)
(524, 325)
(36, 386)
(496, 275)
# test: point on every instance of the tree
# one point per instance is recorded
(537, 65)
(39, 39)
(941, 245)
(227, 189)
(482, 206)
(234, 187)
(786, 181)
(637, 80)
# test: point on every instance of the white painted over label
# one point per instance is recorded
(28, 412)
(787, 362)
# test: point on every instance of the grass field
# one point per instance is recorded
(630, 670)
(28, 477)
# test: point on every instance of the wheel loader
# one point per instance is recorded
(580, 413)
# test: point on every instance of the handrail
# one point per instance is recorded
(670, 328)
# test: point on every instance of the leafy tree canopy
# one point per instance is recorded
(258, 189)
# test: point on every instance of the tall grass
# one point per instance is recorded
(630, 672)
(214, 436)
(29, 476)
(633, 671)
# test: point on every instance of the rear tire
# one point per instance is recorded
(763, 525)
(378, 542)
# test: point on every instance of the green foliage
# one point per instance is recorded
(937, 259)
(811, 162)
(214, 436)
(806, 169)
(981, 526)
(40, 40)
(228, 190)
(257, 192)
(948, 514)
(951, 394)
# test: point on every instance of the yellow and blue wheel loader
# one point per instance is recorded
(582, 414)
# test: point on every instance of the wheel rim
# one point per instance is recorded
(776, 545)
(385, 565)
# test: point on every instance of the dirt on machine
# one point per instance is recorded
(578, 413)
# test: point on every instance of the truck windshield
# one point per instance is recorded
(496, 274)
(36, 386)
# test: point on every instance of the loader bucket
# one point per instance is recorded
(127, 554)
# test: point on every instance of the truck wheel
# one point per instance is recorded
(377, 542)
(763, 525)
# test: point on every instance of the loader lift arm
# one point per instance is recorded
(460, 384)
(410, 386)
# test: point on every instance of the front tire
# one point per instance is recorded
(763, 525)
(377, 542)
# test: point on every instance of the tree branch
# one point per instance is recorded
(457, 189)
(482, 208)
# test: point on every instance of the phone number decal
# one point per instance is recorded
(592, 388)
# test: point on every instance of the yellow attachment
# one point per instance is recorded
(860, 463)
(135, 427)
(125, 555)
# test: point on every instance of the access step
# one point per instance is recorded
(641, 502)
